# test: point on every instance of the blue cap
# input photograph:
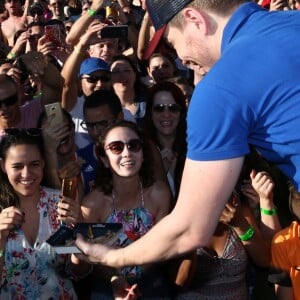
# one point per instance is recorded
(92, 64)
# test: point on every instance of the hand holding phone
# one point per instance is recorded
(54, 114)
(113, 32)
(69, 187)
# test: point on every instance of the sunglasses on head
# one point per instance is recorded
(173, 108)
(96, 78)
(117, 147)
(23, 131)
(11, 100)
(96, 125)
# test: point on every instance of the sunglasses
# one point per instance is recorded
(97, 125)
(172, 108)
(23, 131)
(96, 78)
(11, 100)
(117, 147)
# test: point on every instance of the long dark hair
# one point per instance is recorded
(104, 175)
(179, 146)
(8, 196)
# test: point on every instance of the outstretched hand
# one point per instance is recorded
(92, 252)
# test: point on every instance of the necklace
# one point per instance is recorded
(141, 194)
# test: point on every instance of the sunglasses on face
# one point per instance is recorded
(117, 147)
(172, 108)
(23, 131)
(11, 100)
(97, 125)
(96, 78)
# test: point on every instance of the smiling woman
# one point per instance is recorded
(127, 193)
(29, 215)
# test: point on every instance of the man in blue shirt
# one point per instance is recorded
(250, 95)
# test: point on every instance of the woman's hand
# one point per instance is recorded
(122, 290)
(10, 219)
(69, 210)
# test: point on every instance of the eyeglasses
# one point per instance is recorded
(117, 147)
(96, 125)
(172, 108)
(11, 100)
(96, 78)
(23, 131)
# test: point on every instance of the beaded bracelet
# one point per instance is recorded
(91, 12)
(247, 235)
(269, 212)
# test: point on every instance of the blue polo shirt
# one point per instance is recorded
(252, 93)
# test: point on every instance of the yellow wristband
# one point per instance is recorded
(77, 51)
(11, 55)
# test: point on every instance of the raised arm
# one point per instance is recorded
(82, 24)
(72, 66)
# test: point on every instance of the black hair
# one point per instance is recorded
(101, 98)
(8, 196)
(43, 117)
(138, 85)
(36, 23)
(104, 175)
(179, 146)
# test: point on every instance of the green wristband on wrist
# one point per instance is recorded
(247, 235)
(2, 253)
(91, 12)
(269, 212)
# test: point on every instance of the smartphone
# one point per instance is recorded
(52, 33)
(21, 66)
(113, 32)
(54, 113)
(69, 187)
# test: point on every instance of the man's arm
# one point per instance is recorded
(82, 24)
(205, 188)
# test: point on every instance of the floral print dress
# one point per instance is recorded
(36, 272)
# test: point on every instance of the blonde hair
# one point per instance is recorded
(220, 7)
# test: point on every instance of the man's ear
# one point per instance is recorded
(201, 19)
(2, 166)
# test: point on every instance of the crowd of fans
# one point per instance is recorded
(122, 134)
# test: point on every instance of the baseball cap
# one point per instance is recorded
(92, 64)
(35, 8)
(162, 11)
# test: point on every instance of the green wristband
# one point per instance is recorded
(247, 235)
(91, 12)
(269, 212)
(2, 253)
